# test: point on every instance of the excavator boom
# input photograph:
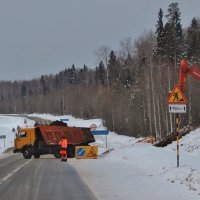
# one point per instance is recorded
(183, 73)
(185, 69)
(195, 72)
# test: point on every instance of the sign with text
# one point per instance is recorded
(177, 108)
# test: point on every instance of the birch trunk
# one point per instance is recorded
(153, 101)
(169, 89)
(148, 99)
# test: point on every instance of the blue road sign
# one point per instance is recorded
(80, 151)
(2, 136)
(100, 132)
(64, 120)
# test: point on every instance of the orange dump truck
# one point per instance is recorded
(44, 139)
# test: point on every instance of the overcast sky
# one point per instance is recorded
(46, 36)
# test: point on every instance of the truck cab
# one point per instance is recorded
(25, 136)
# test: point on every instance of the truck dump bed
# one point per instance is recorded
(75, 136)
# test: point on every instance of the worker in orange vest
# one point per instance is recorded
(63, 148)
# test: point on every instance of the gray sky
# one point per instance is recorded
(45, 36)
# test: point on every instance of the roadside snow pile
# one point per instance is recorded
(189, 143)
(8, 128)
(185, 176)
(114, 141)
(157, 162)
(189, 172)
(14, 121)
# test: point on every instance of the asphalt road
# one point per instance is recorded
(40, 179)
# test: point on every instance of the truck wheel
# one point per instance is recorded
(27, 153)
(36, 155)
(57, 153)
(71, 151)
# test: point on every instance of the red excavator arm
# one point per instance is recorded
(185, 69)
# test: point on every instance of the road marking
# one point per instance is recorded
(13, 172)
(8, 176)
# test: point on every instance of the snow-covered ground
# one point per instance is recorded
(130, 170)
(8, 128)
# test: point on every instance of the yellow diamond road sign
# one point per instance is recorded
(177, 96)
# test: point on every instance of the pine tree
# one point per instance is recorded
(83, 75)
(160, 49)
(173, 33)
(56, 82)
(102, 72)
(113, 68)
(193, 41)
(65, 77)
(126, 76)
(43, 86)
(73, 75)
(23, 90)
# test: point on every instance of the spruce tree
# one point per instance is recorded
(160, 49)
(23, 90)
(102, 72)
(193, 41)
(43, 86)
(126, 75)
(173, 33)
(73, 75)
(83, 75)
(113, 67)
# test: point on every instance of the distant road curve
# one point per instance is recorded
(37, 120)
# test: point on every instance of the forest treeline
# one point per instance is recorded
(129, 87)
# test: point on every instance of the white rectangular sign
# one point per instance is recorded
(177, 108)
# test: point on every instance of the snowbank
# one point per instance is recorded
(190, 143)
(8, 127)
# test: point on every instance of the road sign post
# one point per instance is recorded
(4, 139)
(102, 132)
(106, 141)
(177, 104)
(177, 138)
